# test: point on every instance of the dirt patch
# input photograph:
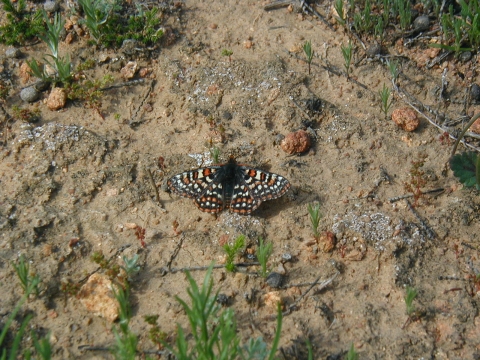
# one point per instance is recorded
(71, 184)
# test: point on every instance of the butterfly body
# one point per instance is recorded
(236, 186)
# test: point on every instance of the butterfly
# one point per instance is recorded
(239, 187)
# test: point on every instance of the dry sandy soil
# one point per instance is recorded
(74, 183)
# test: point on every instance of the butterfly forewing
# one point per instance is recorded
(192, 183)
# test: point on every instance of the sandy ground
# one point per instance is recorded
(75, 183)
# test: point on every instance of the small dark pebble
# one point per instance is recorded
(314, 104)
(374, 50)
(306, 123)
(41, 85)
(227, 115)
(475, 92)
(275, 280)
(465, 56)
(278, 139)
(222, 299)
(29, 94)
(421, 23)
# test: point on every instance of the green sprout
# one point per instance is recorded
(215, 153)
(28, 282)
(315, 216)
(232, 251)
(338, 5)
(21, 24)
(393, 68)
(52, 35)
(385, 101)
(466, 166)
(125, 346)
(347, 57)
(409, 297)
(213, 332)
(263, 254)
(351, 354)
(96, 13)
(307, 49)
(131, 266)
(62, 65)
(229, 53)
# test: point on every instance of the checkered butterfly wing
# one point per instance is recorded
(201, 184)
(252, 186)
(240, 187)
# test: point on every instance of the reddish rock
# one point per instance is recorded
(57, 99)
(327, 241)
(97, 297)
(406, 118)
(296, 142)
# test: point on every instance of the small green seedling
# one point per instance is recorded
(338, 5)
(351, 354)
(213, 331)
(126, 341)
(385, 101)
(307, 49)
(409, 297)
(96, 13)
(42, 346)
(232, 251)
(393, 68)
(466, 166)
(263, 254)
(28, 281)
(215, 153)
(29, 284)
(131, 266)
(229, 53)
(315, 216)
(21, 24)
(157, 336)
(347, 52)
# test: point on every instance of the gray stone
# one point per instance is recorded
(50, 6)
(12, 53)
(29, 94)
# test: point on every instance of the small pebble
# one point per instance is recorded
(406, 118)
(421, 23)
(286, 257)
(475, 92)
(296, 142)
(227, 115)
(29, 94)
(50, 6)
(57, 99)
(12, 53)
(374, 50)
(465, 56)
(275, 280)
(222, 299)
